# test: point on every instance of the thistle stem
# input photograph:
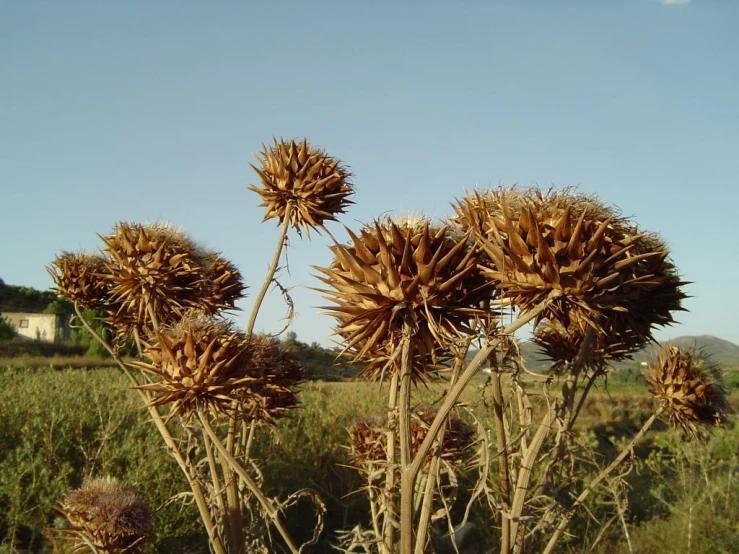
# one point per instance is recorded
(271, 270)
(231, 445)
(406, 479)
(432, 477)
(472, 368)
(567, 413)
(388, 532)
(501, 442)
(174, 450)
(524, 475)
(597, 480)
(265, 502)
(217, 490)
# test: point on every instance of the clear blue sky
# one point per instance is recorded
(152, 111)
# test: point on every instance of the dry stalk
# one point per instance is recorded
(433, 472)
(172, 447)
(456, 390)
(266, 503)
(501, 440)
(621, 507)
(472, 368)
(428, 497)
(271, 271)
(406, 479)
(217, 489)
(567, 412)
(524, 475)
(234, 515)
(388, 531)
(597, 480)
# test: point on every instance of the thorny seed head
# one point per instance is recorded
(405, 272)
(609, 273)
(156, 272)
(562, 344)
(81, 277)
(689, 389)
(204, 364)
(368, 437)
(299, 174)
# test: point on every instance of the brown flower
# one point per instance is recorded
(156, 273)
(562, 344)
(203, 364)
(610, 274)
(113, 517)
(689, 389)
(368, 437)
(80, 277)
(298, 174)
(404, 271)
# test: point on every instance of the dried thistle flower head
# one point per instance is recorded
(296, 173)
(113, 517)
(203, 364)
(368, 437)
(156, 273)
(221, 285)
(398, 272)
(688, 388)
(606, 269)
(80, 277)
(562, 344)
(276, 371)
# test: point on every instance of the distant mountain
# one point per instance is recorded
(718, 350)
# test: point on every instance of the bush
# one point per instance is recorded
(7, 331)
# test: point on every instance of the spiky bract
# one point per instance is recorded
(80, 277)
(689, 389)
(297, 173)
(156, 273)
(605, 268)
(203, 364)
(398, 272)
(114, 517)
(562, 345)
(368, 437)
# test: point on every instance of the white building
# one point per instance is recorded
(45, 327)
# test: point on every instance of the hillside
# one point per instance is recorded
(14, 298)
(719, 350)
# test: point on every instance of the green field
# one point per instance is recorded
(59, 426)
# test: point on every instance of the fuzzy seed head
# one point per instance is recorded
(115, 518)
(296, 173)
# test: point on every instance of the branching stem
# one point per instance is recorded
(597, 480)
(253, 487)
(174, 450)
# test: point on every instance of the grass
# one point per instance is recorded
(59, 426)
